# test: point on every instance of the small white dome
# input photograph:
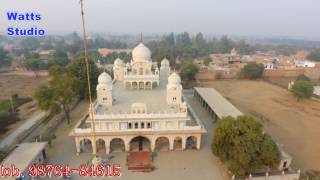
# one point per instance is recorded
(141, 53)
(174, 78)
(165, 63)
(104, 78)
(118, 62)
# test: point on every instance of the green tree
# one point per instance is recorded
(207, 60)
(302, 89)
(30, 43)
(189, 71)
(253, 70)
(34, 64)
(244, 48)
(314, 55)
(60, 58)
(225, 45)
(241, 144)
(5, 59)
(59, 95)
(78, 69)
(303, 77)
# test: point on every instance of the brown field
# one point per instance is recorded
(23, 85)
(294, 124)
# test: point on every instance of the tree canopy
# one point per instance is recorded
(253, 70)
(243, 146)
(61, 92)
(77, 68)
(188, 71)
(5, 59)
(302, 89)
(314, 55)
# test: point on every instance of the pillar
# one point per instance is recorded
(78, 146)
(198, 141)
(107, 145)
(184, 143)
(153, 144)
(171, 144)
(127, 146)
(94, 146)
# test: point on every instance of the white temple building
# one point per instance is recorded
(142, 108)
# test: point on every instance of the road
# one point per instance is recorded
(12, 137)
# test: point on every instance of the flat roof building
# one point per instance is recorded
(25, 155)
(217, 105)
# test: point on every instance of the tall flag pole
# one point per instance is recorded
(91, 113)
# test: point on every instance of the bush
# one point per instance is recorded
(302, 89)
(253, 70)
(243, 146)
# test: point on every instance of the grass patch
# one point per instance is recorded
(7, 105)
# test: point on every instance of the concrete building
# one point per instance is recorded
(24, 156)
(304, 63)
(142, 109)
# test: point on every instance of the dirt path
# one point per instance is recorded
(294, 124)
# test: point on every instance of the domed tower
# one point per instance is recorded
(141, 60)
(174, 89)
(118, 69)
(164, 70)
(104, 89)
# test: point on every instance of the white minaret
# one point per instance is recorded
(174, 89)
(104, 89)
(118, 69)
(164, 71)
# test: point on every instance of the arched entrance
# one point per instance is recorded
(154, 84)
(162, 144)
(141, 85)
(140, 143)
(117, 145)
(101, 146)
(86, 146)
(191, 142)
(177, 143)
(148, 85)
(127, 85)
(134, 85)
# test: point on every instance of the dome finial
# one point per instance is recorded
(141, 40)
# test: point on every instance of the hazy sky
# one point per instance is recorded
(297, 18)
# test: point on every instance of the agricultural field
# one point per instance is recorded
(293, 124)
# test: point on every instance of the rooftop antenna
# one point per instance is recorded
(91, 113)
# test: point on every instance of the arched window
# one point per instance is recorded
(142, 125)
(148, 125)
(136, 125)
(129, 125)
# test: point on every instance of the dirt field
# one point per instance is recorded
(23, 85)
(294, 124)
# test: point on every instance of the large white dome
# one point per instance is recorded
(141, 53)
(174, 78)
(104, 78)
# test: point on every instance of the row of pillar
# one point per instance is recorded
(206, 106)
(107, 142)
(138, 84)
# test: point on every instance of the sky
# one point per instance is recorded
(289, 18)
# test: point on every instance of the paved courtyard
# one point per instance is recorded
(187, 165)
